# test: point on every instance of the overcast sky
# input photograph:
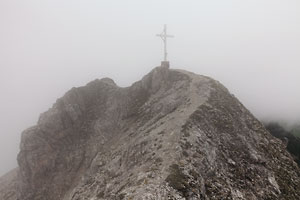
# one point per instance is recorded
(50, 46)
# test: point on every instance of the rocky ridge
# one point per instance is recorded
(172, 135)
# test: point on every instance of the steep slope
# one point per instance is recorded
(172, 135)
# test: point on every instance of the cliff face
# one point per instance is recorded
(172, 135)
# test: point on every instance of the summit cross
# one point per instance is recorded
(164, 37)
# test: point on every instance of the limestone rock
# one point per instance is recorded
(172, 135)
(8, 185)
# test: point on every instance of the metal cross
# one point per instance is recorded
(164, 37)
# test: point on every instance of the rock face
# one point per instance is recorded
(172, 135)
(8, 185)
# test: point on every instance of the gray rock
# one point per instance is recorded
(172, 135)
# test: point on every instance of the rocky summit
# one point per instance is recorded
(172, 135)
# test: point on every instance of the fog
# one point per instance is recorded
(50, 46)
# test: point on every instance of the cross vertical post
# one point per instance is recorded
(164, 37)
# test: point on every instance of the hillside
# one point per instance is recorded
(288, 137)
(296, 131)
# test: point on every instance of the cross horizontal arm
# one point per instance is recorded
(171, 36)
(163, 35)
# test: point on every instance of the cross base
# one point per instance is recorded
(165, 64)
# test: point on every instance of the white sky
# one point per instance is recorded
(49, 46)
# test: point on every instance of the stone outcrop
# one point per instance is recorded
(172, 135)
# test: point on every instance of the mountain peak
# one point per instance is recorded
(171, 135)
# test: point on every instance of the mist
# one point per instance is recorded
(47, 47)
